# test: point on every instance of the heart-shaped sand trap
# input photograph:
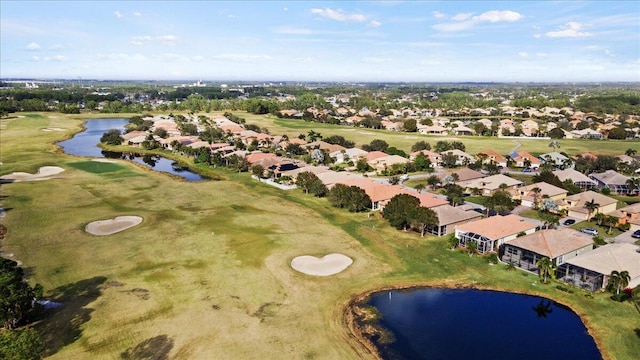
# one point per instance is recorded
(328, 265)
(112, 226)
(44, 173)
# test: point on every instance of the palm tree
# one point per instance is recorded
(546, 268)
(633, 183)
(472, 247)
(554, 144)
(611, 221)
(599, 218)
(619, 280)
(592, 206)
(420, 187)
(630, 152)
(536, 196)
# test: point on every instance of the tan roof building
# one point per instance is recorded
(576, 204)
(490, 184)
(578, 178)
(449, 217)
(492, 232)
(529, 197)
(557, 245)
(591, 271)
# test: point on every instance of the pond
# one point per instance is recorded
(85, 144)
(480, 324)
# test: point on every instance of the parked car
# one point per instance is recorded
(636, 234)
(569, 222)
(590, 231)
(527, 170)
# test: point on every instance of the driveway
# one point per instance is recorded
(625, 237)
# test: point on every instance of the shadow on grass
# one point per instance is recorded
(637, 331)
(155, 348)
(62, 326)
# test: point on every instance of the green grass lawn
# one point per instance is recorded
(404, 141)
(207, 275)
(603, 231)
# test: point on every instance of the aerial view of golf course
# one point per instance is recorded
(142, 264)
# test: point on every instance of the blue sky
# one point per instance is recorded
(434, 41)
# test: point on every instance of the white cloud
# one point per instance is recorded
(138, 14)
(570, 29)
(120, 57)
(141, 38)
(33, 46)
(541, 54)
(375, 60)
(169, 57)
(523, 54)
(438, 15)
(375, 23)
(464, 21)
(169, 40)
(537, 36)
(118, 14)
(59, 58)
(462, 16)
(292, 31)
(56, 47)
(339, 15)
(136, 42)
(285, 9)
(197, 58)
(35, 58)
(241, 57)
(498, 16)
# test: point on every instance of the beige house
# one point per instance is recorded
(490, 184)
(557, 245)
(591, 271)
(577, 208)
(449, 217)
(530, 196)
(492, 232)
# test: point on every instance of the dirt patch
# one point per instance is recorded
(142, 294)
(112, 226)
(156, 348)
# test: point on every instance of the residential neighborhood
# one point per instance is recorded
(519, 240)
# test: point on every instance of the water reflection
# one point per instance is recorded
(439, 323)
(85, 144)
(543, 308)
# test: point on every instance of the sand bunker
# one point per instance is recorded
(112, 226)
(54, 129)
(44, 173)
(328, 265)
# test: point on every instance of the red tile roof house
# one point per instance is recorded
(534, 162)
(434, 157)
(591, 271)
(492, 232)
(558, 245)
(492, 157)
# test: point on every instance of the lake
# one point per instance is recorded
(480, 324)
(85, 144)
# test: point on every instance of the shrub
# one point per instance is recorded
(619, 297)
(492, 259)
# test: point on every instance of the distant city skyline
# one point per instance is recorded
(355, 41)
